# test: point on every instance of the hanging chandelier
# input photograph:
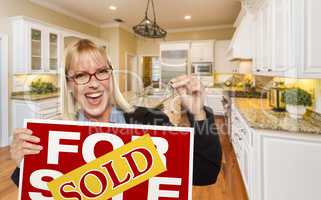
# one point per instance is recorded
(149, 28)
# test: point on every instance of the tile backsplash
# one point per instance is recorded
(21, 83)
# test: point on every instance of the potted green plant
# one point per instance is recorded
(296, 100)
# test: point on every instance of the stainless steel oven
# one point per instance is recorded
(202, 69)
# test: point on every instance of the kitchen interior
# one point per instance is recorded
(257, 59)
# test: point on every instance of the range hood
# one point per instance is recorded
(241, 46)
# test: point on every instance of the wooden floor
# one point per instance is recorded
(228, 187)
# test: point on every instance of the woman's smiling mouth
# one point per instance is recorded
(94, 98)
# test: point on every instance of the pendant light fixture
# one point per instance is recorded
(149, 28)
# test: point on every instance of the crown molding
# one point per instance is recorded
(66, 12)
(202, 28)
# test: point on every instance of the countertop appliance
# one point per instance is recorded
(202, 68)
(275, 97)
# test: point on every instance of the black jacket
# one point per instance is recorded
(207, 147)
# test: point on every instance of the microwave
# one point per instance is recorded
(202, 69)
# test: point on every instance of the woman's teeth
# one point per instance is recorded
(94, 95)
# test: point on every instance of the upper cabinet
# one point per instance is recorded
(202, 51)
(287, 38)
(241, 44)
(36, 47)
(222, 63)
(310, 31)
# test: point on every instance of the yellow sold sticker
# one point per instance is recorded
(112, 173)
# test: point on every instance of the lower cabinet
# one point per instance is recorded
(213, 99)
(277, 165)
(41, 109)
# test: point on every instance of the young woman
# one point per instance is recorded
(91, 94)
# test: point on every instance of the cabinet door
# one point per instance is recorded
(208, 51)
(54, 51)
(222, 64)
(202, 51)
(281, 35)
(197, 51)
(266, 36)
(258, 42)
(289, 168)
(36, 48)
(312, 35)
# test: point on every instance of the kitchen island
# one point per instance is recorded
(277, 155)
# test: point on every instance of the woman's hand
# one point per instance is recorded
(191, 92)
(22, 144)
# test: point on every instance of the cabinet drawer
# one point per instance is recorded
(48, 104)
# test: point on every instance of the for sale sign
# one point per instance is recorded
(90, 160)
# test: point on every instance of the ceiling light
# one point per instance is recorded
(112, 8)
(188, 17)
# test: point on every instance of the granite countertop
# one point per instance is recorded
(259, 115)
(27, 96)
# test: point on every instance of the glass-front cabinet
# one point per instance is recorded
(36, 50)
(36, 47)
(53, 51)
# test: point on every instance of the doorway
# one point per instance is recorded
(151, 71)
(133, 75)
(4, 100)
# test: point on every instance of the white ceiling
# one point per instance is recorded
(170, 13)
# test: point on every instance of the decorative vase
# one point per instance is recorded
(296, 111)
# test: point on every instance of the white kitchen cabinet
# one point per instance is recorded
(257, 47)
(214, 100)
(222, 63)
(287, 166)
(41, 109)
(276, 165)
(202, 51)
(287, 38)
(241, 47)
(263, 38)
(36, 47)
(311, 30)
(281, 35)
(267, 36)
(241, 138)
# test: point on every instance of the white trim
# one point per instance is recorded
(4, 91)
(203, 28)
(132, 73)
(64, 11)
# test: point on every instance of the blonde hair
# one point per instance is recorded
(73, 52)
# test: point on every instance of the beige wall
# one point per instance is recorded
(112, 35)
(120, 43)
(127, 44)
(151, 47)
(9, 8)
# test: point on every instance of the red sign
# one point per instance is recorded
(68, 145)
